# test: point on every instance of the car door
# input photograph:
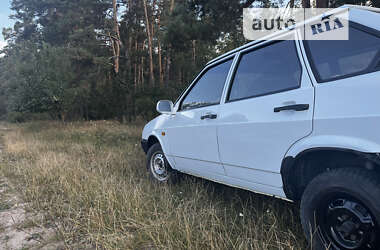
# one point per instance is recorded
(268, 108)
(347, 80)
(192, 133)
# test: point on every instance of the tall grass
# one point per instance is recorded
(90, 180)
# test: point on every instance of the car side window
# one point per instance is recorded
(209, 87)
(332, 60)
(271, 69)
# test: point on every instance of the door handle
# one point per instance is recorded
(209, 116)
(295, 107)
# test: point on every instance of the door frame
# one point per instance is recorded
(240, 54)
(179, 100)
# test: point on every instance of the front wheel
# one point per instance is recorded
(340, 209)
(158, 166)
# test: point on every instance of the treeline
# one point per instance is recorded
(107, 59)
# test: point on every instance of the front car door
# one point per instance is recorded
(268, 108)
(192, 132)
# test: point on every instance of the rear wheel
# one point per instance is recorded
(158, 165)
(340, 209)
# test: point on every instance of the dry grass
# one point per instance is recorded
(90, 180)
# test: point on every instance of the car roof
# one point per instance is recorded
(356, 14)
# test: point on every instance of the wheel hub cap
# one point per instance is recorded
(349, 225)
(347, 228)
(158, 167)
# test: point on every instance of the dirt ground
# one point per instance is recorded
(21, 228)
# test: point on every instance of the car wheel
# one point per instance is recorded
(158, 166)
(340, 209)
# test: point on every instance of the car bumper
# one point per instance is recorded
(144, 145)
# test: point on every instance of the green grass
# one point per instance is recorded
(90, 180)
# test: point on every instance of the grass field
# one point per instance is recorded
(90, 180)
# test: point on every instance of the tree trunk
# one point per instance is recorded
(140, 65)
(150, 43)
(180, 76)
(168, 63)
(159, 47)
(128, 58)
(193, 43)
(160, 63)
(322, 4)
(135, 64)
(168, 57)
(63, 116)
(306, 3)
(164, 69)
(142, 72)
(154, 17)
(116, 40)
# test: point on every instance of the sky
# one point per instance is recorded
(4, 18)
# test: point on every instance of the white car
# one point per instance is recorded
(299, 120)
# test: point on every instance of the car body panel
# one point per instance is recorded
(253, 139)
(193, 142)
(346, 110)
(155, 128)
(339, 121)
(243, 184)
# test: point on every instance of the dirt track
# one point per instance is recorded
(19, 227)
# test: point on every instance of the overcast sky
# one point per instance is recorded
(4, 18)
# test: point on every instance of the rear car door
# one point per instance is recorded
(192, 133)
(268, 108)
(347, 86)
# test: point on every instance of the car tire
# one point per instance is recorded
(158, 166)
(340, 209)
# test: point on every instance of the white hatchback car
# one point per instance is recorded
(298, 120)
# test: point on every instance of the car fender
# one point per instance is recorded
(155, 128)
(292, 176)
(333, 141)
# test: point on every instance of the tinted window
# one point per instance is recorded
(339, 59)
(208, 89)
(267, 70)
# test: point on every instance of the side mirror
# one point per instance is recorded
(165, 107)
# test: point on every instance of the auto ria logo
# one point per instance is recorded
(271, 24)
(310, 24)
(326, 25)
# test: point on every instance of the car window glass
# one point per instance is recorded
(209, 88)
(267, 70)
(338, 59)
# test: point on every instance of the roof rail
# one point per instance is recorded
(351, 6)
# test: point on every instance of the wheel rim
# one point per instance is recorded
(347, 224)
(158, 167)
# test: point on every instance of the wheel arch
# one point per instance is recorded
(152, 139)
(297, 171)
(339, 142)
